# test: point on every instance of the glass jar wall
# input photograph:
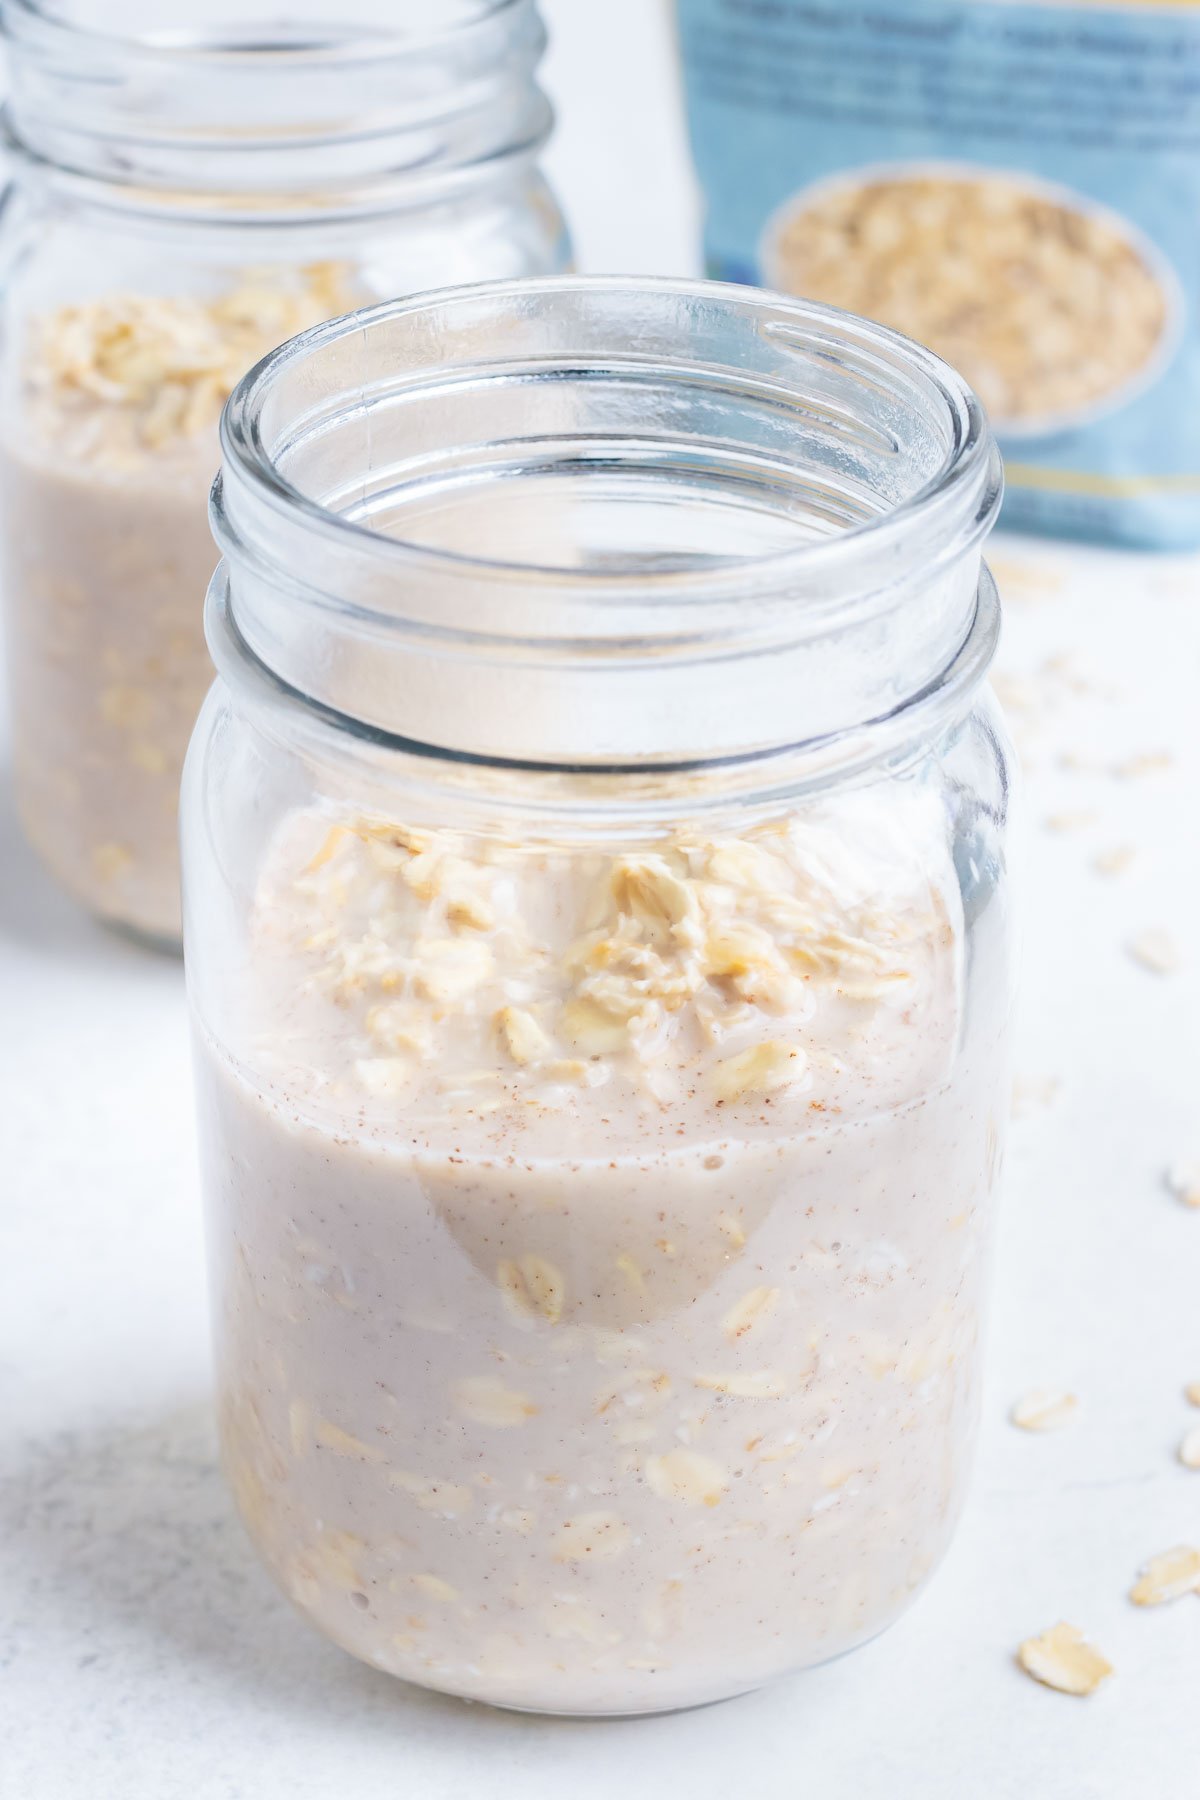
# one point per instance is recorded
(597, 937)
(183, 200)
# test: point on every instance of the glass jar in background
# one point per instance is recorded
(598, 946)
(182, 201)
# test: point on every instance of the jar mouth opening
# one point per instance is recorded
(959, 493)
(600, 520)
(273, 40)
(345, 107)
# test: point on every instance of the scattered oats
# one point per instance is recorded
(592, 1537)
(533, 1288)
(1149, 762)
(1037, 580)
(1191, 1393)
(1062, 1658)
(1044, 1409)
(1156, 950)
(1114, 861)
(485, 1400)
(751, 1311)
(1083, 765)
(1069, 821)
(1189, 1449)
(1017, 693)
(762, 1069)
(757, 1384)
(1063, 665)
(523, 1037)
(1167, 1577)
(688, 1476)
(1183, 1180)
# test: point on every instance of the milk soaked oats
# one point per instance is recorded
(105, 465)
(181, 202)
(599, 1325)
(600, 1031)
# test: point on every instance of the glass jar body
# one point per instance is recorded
(123, 331)
(553, 1372)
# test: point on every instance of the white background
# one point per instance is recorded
(143, 1656)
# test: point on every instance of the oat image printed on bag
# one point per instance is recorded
(1014, 184)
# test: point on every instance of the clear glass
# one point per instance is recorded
(597, 934)
(182, 200)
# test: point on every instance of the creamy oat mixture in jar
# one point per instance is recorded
(597, 937)
(184, 203)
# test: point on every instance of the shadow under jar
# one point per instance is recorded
(597, 938)
(183, 200)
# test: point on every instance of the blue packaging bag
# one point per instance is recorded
(1016, 184)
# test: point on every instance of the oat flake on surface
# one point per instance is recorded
(1155, 950)
(1189, 1449)
(1167, 1577)
(1183, 1180)
(1062, 1658)
(1044, 1409)
(1114, 861)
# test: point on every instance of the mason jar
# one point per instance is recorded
(182, 200)
(598, 945)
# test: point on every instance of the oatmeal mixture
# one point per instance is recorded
(105, 468)
(1043, 308)
(598, 1244)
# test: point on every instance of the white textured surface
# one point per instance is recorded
(142, 1654)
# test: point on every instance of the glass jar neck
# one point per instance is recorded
(399, 103)
(596, 524)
